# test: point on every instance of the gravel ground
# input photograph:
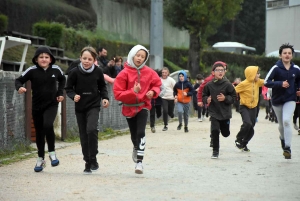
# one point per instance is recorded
(177, 166)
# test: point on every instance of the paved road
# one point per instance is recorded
(177, 166)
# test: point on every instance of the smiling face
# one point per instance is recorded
(139, 58)
(44, 60)
(286, 55)
(87, 59)
(219, 72)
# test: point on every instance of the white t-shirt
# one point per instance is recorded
(169, 84)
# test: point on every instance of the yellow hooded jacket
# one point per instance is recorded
(248, 89)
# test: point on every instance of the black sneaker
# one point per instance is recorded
(186, 130)
(215, 154)
(87, 169)
(94, 166)
(246, 149)
(239, 145)
(179, 127)
(267, 116)
(165, 128)
(153, 129)
(287, 153)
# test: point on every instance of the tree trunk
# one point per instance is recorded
(194, 55)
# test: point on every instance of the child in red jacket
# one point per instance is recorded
(135, 86)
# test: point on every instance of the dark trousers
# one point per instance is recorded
(87, 122)
(168, 109)
(137, 126)
(155, 109)
(297, 114)
(216, 126)
(43, 122)
(199, 110)
(247, 129)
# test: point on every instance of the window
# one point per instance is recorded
(277, 4)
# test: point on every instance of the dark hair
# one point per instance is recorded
(284, 46)
(100, 49)
(118, 58)
(199, 77)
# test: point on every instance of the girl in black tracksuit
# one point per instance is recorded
(44, 76)
(86, 86)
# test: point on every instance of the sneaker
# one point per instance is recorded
(267, 116)
(165, 128)
(276, 121)
(186, 130)
(139, 168)
(245, 149)
(53, 159)
(296, 127)
(299, 132)
(287, 153)
(200, 119)
(206, 114)
(87, 169)
(40, 164)
(239, 145)
(134, 154)
(215, 154)
(179, 127)
(94, 166)
(172, 116)
(153, 129)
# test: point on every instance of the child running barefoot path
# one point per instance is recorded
(44, 76)
(135, 86)
(86, 86)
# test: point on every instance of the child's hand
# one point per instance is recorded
(137, 87)
(184, 93)
(175, 100)
(105, 103)
(59, 98)
(221, 97)
(22, 90)
(200, 104)
(150, 94)
(76, 98)
(285, 84)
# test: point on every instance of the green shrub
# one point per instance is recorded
(53, 32)
(3, 23)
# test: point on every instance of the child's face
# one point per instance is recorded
(119, 63)
(181, 77)
(87, 59)
(139, 58)
(200, 81)
(164, 74)
(286, 55)
(219, 73)
(44, 60)
(257, 77)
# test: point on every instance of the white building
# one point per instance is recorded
(282, 24)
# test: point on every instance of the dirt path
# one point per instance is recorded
(177, 166)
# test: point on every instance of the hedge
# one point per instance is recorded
(3, 24)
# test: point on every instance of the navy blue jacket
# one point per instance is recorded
(276, 76)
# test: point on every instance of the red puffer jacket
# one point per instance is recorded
(123, 88)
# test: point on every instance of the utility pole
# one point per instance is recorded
(156, 35)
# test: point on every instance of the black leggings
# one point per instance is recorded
(137, 126)
(43, 122)
(168, 109)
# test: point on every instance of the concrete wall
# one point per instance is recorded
(282, 26)
(133, 22)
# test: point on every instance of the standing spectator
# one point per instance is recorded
(183, 92)
(46, 95)
(197, 108)
(219, 94)
(86, 87)
(168, 98)
(103, 62)
(284, 78)
(135, 86)
(248, 91)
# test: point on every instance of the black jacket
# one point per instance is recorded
(90, 86)
(220, 110)
(44, 85)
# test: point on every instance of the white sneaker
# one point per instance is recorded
(200, 119)
(53, 159)
(139, 168)
(40, 164)
(296, 127)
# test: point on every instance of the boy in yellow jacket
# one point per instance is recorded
(248, 91)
